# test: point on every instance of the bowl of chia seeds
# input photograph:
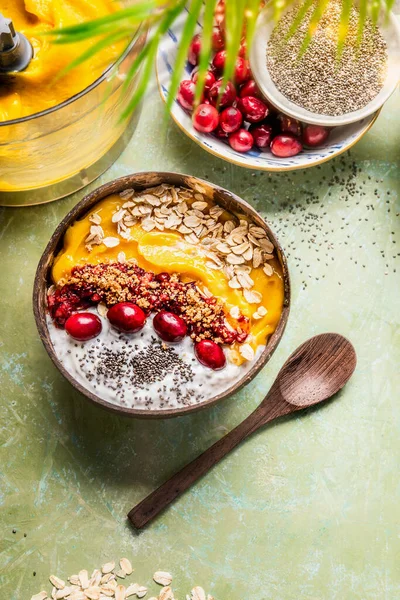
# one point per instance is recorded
(324, 82)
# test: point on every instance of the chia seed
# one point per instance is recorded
(145, 367)
(320, 80)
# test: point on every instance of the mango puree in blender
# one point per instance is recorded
(39, 87)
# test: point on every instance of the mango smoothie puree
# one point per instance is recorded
(172, 240)
(38, 87)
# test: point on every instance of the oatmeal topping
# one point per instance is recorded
(233, 245)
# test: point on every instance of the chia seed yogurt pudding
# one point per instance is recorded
(162, 299)
(142, 372)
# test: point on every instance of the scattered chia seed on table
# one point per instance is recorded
(320, 81)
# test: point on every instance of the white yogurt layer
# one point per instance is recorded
(141, 371)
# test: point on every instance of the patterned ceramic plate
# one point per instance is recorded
(340, 139)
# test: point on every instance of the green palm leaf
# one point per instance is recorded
(316, 17)
(161, 14)
(148, 55)
(205, 52)
(347, 5)
(104, 42)
(235, 17)
(134, 15)
(186, 38)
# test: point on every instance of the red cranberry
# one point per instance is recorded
(209, 79)
(210, 354)
(250, 88)
(83, 326)
(218, 42)
(241, 337)
(241, 140)
(220, 133)
(205, 118)
(219, 14)
(230, 119)
(289, 125)
(243, 49)
(186, 93)
(253, 109)
(126, 317)
(242, 70)
(194, 50)
(314, 135)
(163, 277)
(227, 98)
(262, 134)
(218, 61)
(285, 145)
(169, 326)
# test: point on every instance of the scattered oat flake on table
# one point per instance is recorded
(40, 596)
(77, 595)
(198, 593)
(62, 593)
(102, 587)
(142, 591)
(57, 582)
(121, 574)
(108, 590)
(162, 577)
(120, 592)
(108, 567)
(84, 578)
(93, 592)
(166, 594)
(126, 565)
(131, 590)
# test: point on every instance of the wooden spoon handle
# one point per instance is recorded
(149, 508)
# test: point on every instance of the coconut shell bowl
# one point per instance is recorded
(140, 182)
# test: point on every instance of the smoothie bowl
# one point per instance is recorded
(160, 294)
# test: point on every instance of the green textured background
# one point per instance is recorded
(308, 509)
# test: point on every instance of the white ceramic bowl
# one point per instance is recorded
(390, 30)
(340, 138)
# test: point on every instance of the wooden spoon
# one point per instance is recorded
(316, 371)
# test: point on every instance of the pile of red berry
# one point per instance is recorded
(127, 317)
(241, 115)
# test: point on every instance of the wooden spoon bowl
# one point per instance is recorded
(141, 181)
